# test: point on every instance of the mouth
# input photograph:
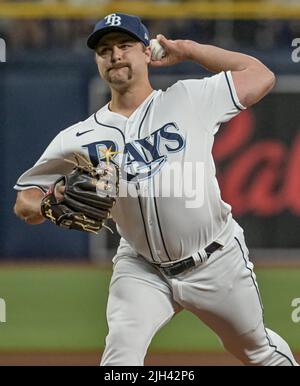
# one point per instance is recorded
(118, 67)
(114, 74)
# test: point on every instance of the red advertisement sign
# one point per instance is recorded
(261, 176)
(258, 168)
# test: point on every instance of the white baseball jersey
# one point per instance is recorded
(170, 205)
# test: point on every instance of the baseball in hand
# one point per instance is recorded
(157, 51)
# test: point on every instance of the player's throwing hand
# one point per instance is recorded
(175, 51)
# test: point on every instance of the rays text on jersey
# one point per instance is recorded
(142, 158)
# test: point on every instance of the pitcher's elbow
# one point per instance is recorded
(271, 80)
(29, 216)
(18, 211)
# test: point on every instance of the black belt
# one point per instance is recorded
(181, 266)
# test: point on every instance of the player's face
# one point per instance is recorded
(121, 59)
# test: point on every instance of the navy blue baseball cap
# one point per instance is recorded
(119, 22)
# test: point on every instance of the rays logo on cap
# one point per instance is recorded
(113, 19)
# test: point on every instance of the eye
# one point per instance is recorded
(102, 51)
(124, 46)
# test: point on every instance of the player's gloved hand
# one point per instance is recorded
(88, 195)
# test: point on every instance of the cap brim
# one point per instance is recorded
(95, 37)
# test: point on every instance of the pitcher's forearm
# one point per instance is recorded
(216, 59)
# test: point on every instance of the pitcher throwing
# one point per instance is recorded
(174, 253)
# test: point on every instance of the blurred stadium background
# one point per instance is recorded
(55, 282)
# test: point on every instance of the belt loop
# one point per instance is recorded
(203, 255)
(197, 259)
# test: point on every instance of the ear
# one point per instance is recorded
(148, 54)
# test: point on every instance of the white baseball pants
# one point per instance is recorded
(222, 292)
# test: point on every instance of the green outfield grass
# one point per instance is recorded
(64, 309)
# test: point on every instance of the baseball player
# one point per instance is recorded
(177, 251)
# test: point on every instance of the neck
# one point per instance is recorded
(127, 101)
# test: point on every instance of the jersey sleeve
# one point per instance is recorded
(47, 169)
(214, 99)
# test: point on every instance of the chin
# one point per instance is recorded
(119, 81)
(121, 77)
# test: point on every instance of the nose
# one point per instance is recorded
(116, 54)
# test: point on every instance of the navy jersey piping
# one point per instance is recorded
(156, 212)
(145, 229)
(231, 94)
(249, 269)
(262, 309)
(142, 121)
(139, 198)
(160, 230)
(139, 135)
(111, 127)
(141, 124)
(155, 205)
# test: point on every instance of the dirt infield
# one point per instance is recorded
(93, 359)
